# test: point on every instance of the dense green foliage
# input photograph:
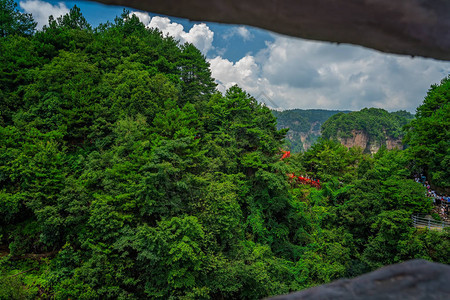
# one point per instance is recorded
(377, 123)
(124, 174)
(429, 135)
(302, 123)
(13, 22)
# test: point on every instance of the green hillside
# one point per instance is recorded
(377, 123)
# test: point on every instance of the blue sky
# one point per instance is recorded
(291, 72)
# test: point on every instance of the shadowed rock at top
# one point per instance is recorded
(411, 27)
(415, 279)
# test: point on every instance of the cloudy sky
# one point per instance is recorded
(283, 71)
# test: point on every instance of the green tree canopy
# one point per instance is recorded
(12, 21)
(429, 135)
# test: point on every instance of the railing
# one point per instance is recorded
(422, 222)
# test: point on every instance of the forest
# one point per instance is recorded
(125, 174)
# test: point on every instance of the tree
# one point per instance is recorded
(73, 20)
(62, 96)
(197, 82)
(17, 56)
(428, 135)
(12, 21)
(329, 159)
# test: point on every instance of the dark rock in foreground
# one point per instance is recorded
(415, 279)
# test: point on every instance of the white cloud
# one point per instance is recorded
(244, 33)
(199, 35)
(296, 73)
(142, 16)
(241, 31)
(244, 72)
(42, 10)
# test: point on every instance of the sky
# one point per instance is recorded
(284, 72)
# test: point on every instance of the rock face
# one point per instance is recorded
(304, 126)
(306, 139)
(415, 279)
(411, 27)
(361, 139)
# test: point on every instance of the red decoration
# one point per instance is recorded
(285, 154)
(305, 180)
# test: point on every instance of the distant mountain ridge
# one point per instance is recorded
(304, 125)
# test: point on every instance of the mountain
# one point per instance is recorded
(369, 128)
(304, 125)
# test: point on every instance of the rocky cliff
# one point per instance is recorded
(303, 139)
(361, 139)
(369, 128)
(304, 126)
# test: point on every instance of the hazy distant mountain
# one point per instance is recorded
(304, 125)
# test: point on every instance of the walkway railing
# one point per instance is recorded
(422, 222)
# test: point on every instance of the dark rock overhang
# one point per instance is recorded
(409, 27)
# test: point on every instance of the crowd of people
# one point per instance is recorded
(440, 202)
